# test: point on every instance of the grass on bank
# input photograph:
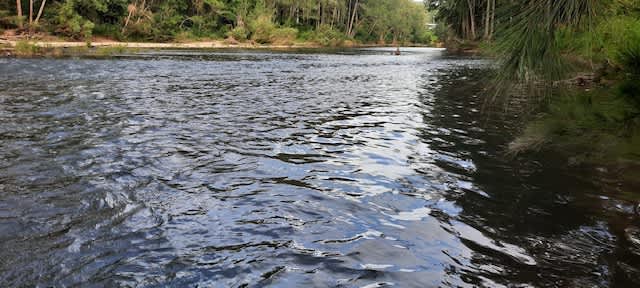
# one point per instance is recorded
(30, 49)
(27, 49)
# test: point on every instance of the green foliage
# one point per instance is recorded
(167, 21)
(395, 20)
(628, 53)
(327, 22)
(261, 28)
(284, 36)
(141, 30)
(7, 20)
(425, 37)
(325, 36)
(239, 33)
(70, 23)
(111, 50)
(108, 30)
(26, 48)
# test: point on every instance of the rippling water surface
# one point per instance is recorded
(287, 169)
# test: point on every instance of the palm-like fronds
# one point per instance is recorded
(527, 42)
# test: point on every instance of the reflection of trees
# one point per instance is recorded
(527, 200)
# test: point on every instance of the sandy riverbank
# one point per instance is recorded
(155, 45)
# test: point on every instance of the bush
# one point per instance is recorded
(108, 30)
(616, 40)
(425, 37)
(26, 48)
(184, 37)
(200, 26)
(628, 54)
(238, 33)
(141, 30)
(284, 36)
(327, 36)
(111, 50)
(87, 31)
(164, 25)
(7, 20)
(71, 24)
(262, 28)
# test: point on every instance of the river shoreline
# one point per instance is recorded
(45, 48)
(153, 45)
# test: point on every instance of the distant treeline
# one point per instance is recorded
(327, 22)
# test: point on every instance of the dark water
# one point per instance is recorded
(236, 169)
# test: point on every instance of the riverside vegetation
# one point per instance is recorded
(577, 61)
(279, 22)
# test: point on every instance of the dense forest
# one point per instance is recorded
(327, 22)
(579, 60)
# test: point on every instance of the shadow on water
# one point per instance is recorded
(572, 228)
(351, 168)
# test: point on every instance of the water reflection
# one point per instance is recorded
(245, 168)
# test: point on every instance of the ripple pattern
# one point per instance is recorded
(236, 169)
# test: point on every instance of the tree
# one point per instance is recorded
(19, 11)
(40, 11)
(162, 20)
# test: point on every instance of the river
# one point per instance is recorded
(346, 168)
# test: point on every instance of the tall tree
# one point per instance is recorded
(19, 10)
(30, 13)
(40, 11)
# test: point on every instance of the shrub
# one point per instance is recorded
(238, 33)
(617, 40)
(327, 36)
(70, 23)
(165, 24)
(628, 55)
(26, 48)
(184, 37)
(284, 36)
(425, 37)
(8, 20)
(108, 30)
(140, 30)
(262, 28)
(111, 50)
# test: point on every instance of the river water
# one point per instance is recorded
(288, 169)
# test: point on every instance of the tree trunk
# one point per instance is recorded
(353, 19)
(492, 21)
(348, 22)
(30, 13)
(19, 9)
(40, 11)
(472, 20)
(131, 9)
(487, 17)
(239, 21)
(465, 26)
(333, 15)
(319, 20)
